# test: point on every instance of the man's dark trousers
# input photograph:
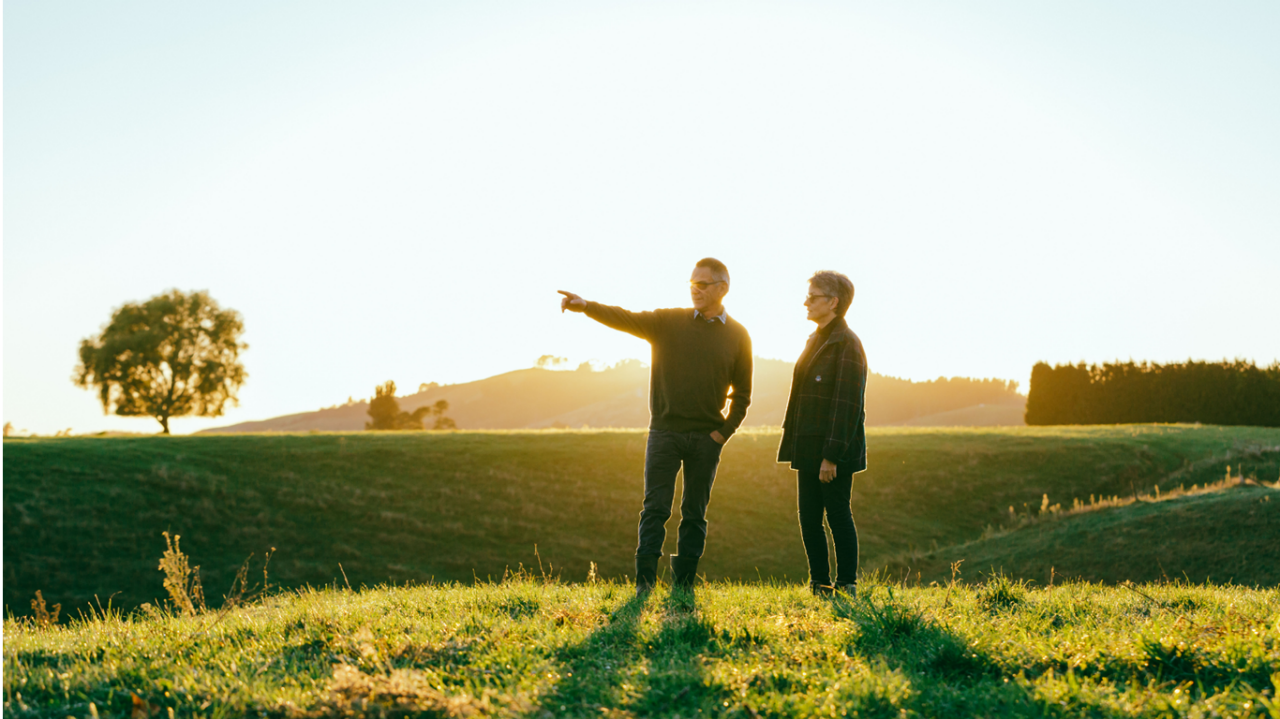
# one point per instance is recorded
(666, 452)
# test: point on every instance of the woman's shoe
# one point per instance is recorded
(849, 590)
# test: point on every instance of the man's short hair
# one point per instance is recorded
(716, 266)
(836, 285)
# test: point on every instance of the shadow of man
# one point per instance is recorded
(630, 665)
(598, 671)
(677, 683)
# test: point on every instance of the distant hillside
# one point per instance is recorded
(979, 415)
(618, 397)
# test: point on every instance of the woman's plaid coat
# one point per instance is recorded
(828, 400)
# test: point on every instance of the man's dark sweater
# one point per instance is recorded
(695, 363)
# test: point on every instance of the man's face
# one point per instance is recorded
(706, 289)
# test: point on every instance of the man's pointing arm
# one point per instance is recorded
(640, 324)
(571, 302)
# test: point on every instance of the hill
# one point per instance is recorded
(980, 415)
(83, 516)
(1230, 535)
(539, 649)
(538, 398)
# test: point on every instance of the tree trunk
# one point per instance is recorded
(164, 422)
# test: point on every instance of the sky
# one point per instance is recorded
(397, 190)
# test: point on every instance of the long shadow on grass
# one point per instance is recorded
(676, 676)
(948, 676)
(618, 667)
(597, 670)
(952, 678)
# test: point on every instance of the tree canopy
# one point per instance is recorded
(177, 354)
(1228, 393)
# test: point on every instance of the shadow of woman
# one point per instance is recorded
(949, 677)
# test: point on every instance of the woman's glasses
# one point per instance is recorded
(811, 298)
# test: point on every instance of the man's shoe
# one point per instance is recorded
(685, 570)
(821, 590)
(849, 590)
(646, 574)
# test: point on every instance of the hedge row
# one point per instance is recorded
(1227, 393)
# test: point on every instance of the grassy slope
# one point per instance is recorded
(83, 517)
(531, 649)
(1227, 536)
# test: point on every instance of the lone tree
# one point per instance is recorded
(176, 354)
(385, 412)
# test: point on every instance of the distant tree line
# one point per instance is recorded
(385, 413)
(890, 399)
(1227, 393)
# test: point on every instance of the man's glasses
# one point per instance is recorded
(704, 285)
(811, 298)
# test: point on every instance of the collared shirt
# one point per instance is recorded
(723, 316)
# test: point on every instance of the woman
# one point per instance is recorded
(824, 432)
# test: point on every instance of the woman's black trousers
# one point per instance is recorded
(831, 499)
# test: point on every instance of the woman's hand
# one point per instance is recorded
(827, 471)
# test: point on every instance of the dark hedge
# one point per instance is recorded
(1225, 393)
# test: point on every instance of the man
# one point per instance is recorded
(699, 354)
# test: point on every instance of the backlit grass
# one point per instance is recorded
(532, 648)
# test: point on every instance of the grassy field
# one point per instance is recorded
(1230, 534)
(541, 649)
(83, 517)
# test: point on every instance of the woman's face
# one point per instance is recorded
(821, 306)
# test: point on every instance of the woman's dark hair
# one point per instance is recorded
(837, 285)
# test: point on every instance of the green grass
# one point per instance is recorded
(534, 648)
(1231, 535)
(83, 517)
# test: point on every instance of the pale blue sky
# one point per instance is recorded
(396, 190)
